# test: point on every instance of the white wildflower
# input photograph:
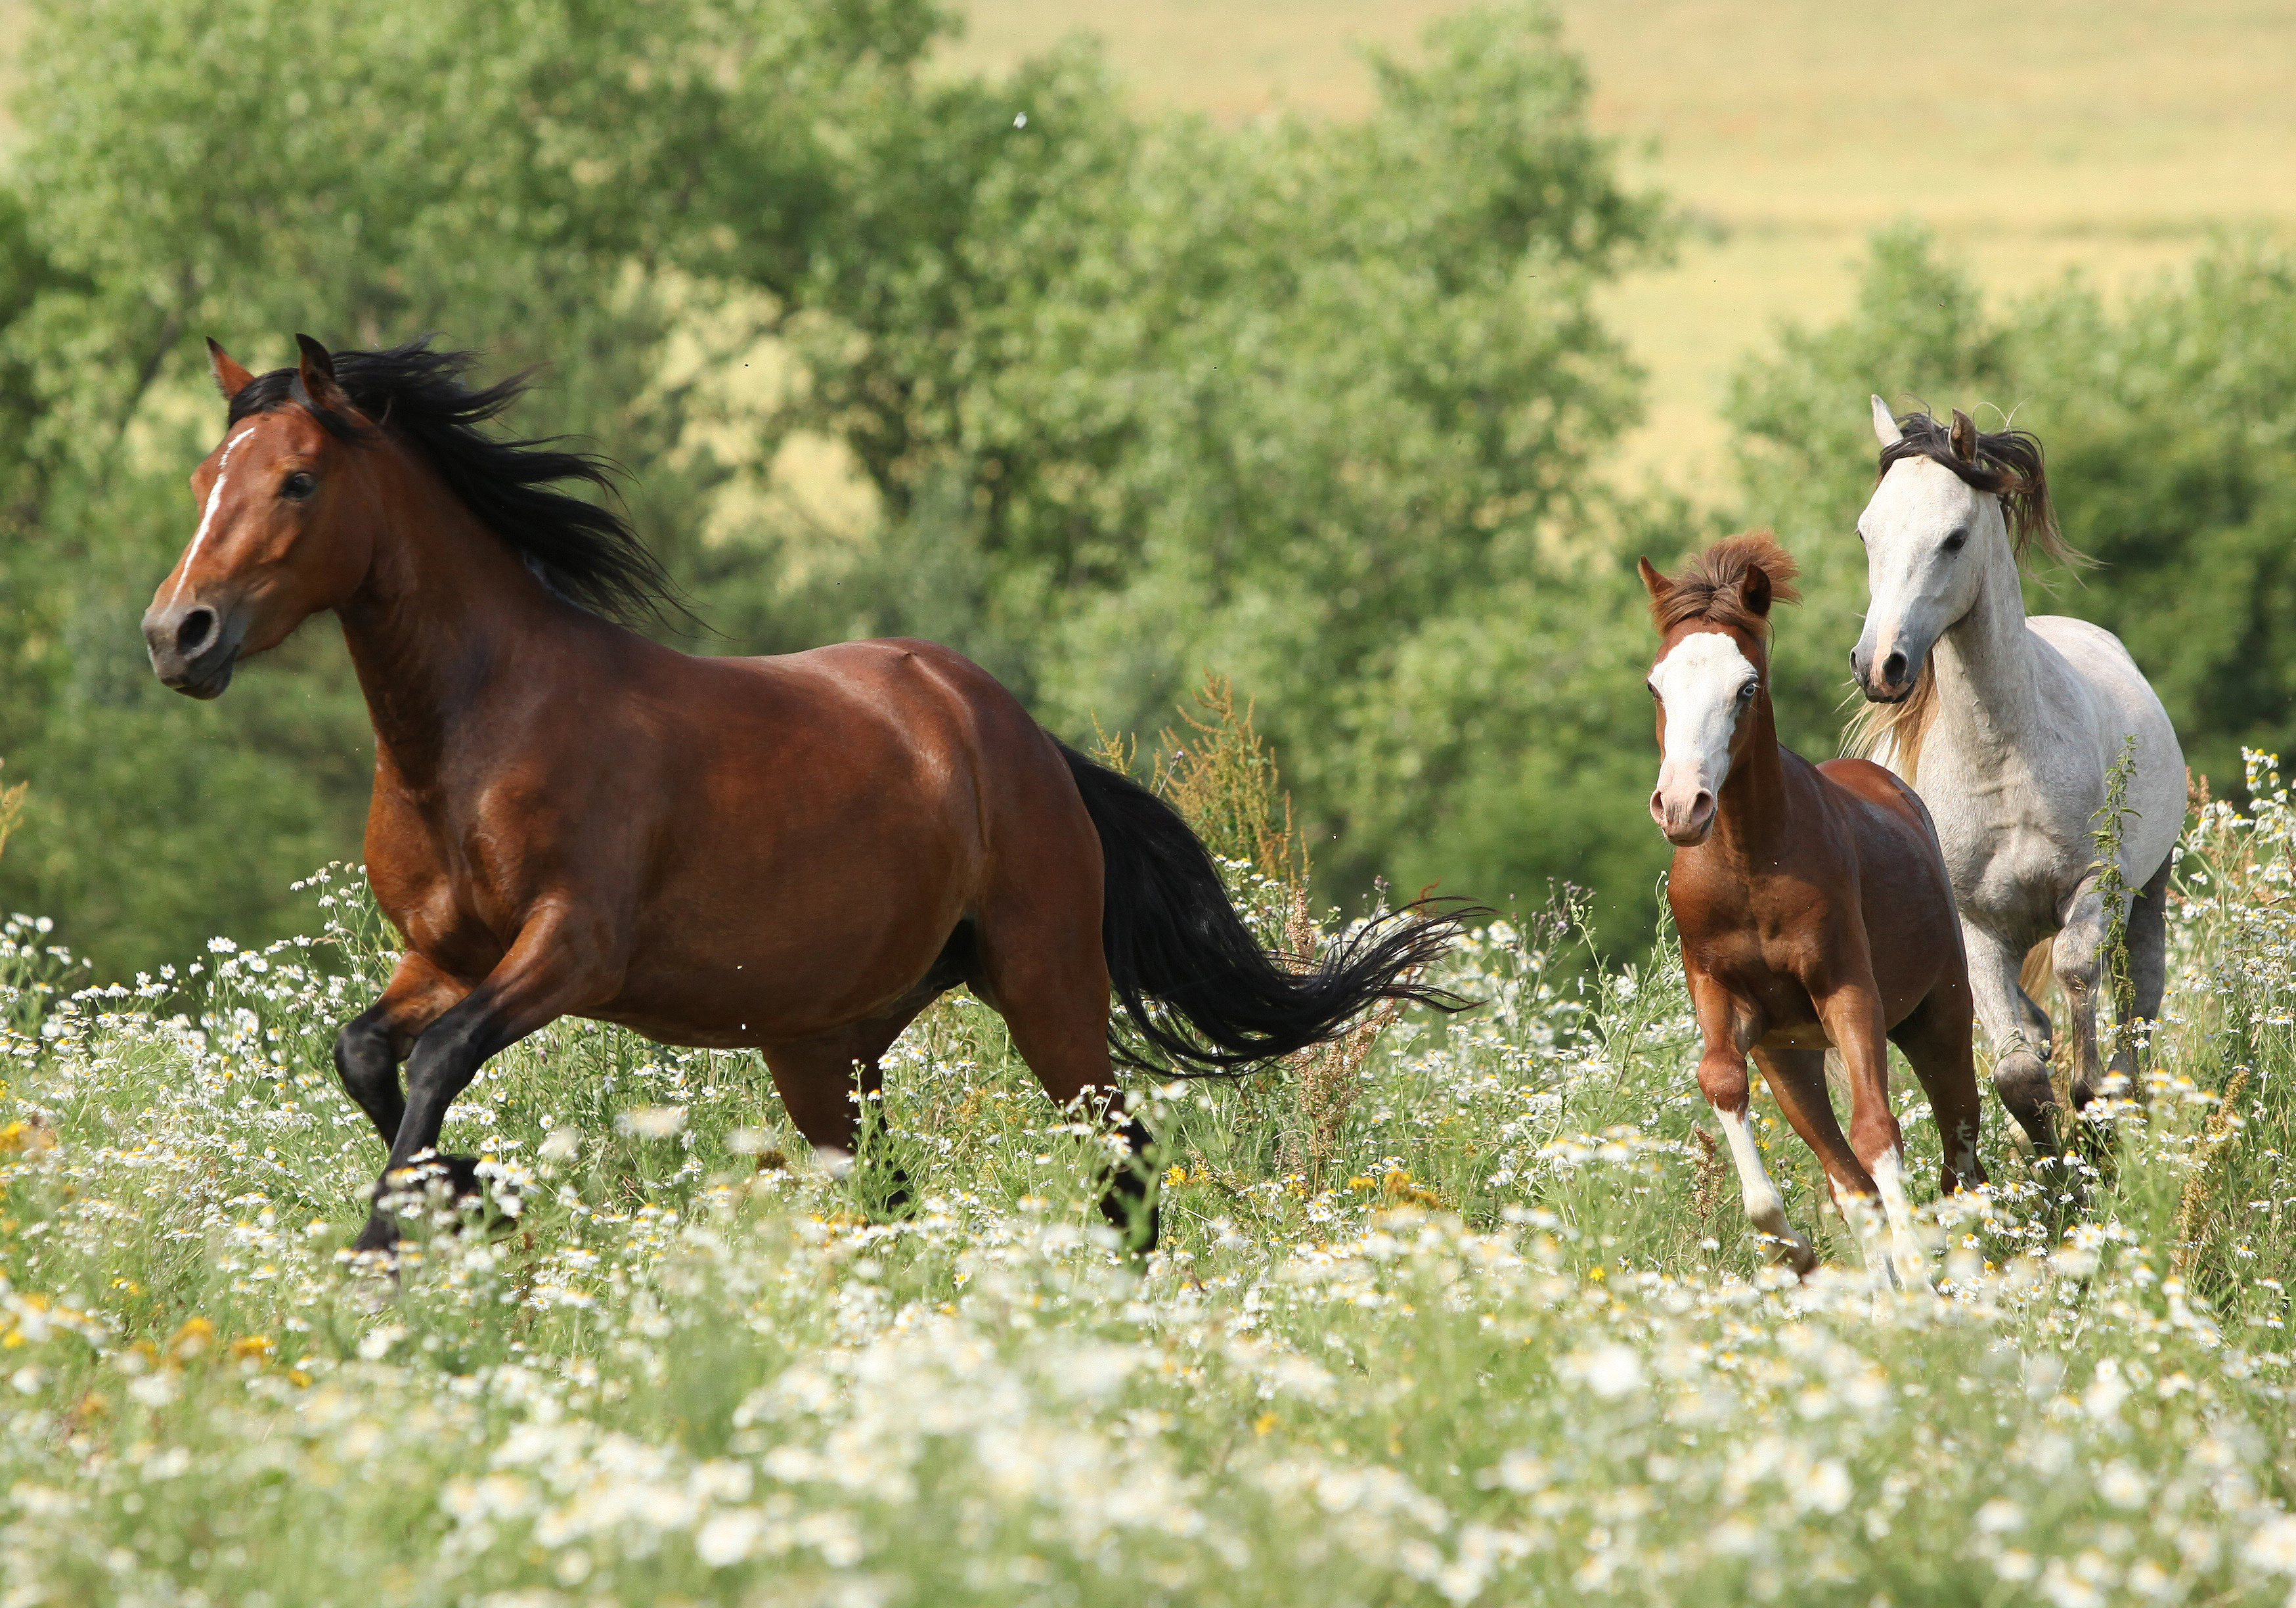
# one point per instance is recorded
(1610, 1371)
(651, 1121)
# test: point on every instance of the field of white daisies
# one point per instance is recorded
(1463, 1310)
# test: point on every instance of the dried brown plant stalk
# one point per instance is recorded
(2194, 1199)
(1708, 1171)
(1221, 775)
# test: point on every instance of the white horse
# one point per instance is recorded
(2008, 727)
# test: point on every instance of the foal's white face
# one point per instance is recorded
(1703, 686)
(1927, 533)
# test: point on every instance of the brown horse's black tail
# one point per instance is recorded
(1197, 985)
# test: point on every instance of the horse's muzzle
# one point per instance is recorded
(1683, 807)
(1891, 681)
(194, 647)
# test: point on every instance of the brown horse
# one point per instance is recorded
(796, 854)
(1813, 908)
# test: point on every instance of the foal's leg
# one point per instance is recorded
(558, 965)
(1853, 1020)
(1797, 1080)
(1936, 1039)
(2018, 1030)
(371, 1044)
(1722, 1079)
(2148, 964)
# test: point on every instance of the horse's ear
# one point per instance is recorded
(229, 377)
(317, 372)
(1964, 436)
(1653, 583)
(1885, 424)
(1756, 591)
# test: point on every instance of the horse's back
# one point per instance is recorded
(1889, 818)
(2121, 704)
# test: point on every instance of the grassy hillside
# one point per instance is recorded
(2062, 134)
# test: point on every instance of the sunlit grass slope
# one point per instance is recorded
(2109, 138)
(1467, 1315)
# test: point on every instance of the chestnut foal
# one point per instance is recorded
(1813, 908)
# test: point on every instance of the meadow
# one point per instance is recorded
(1462, 1310)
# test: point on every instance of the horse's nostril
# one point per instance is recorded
(198, 627)
(1893, 669)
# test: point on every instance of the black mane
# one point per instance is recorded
(2007, 462)
(586, 553)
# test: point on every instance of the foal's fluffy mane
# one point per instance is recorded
(2008, 463)
(1712, 586)
(586, 553)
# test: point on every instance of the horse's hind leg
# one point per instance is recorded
(2148, 965)
(1936, 1040)
(2019, 1031)
(1042, 969)
(2079, 961)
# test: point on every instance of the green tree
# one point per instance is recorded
(1115, 397)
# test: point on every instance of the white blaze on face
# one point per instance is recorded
(1703, 683)
(215, 501)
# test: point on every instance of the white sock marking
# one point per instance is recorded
(1765, 1208)
(1890, 1179)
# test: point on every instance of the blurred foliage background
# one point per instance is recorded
(1103, 396)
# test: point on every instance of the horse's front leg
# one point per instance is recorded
(1854, 1024)
(560, 963)
(2019, 1033)
(1722, 1079)
(371, 1044)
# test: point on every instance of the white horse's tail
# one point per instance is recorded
(2037, 975)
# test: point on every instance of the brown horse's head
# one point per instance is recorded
(283, 532)
(1713, 619)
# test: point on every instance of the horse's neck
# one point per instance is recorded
(435, 631)
(1984, 663)
(1750, 815)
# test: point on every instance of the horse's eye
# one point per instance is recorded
(1956, 541)
(1747, 690)
(298, 486)
(1653, 692)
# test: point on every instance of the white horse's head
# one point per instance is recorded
(1952, 508)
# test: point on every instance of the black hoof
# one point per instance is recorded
(380, 1234)
(432, 1184)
